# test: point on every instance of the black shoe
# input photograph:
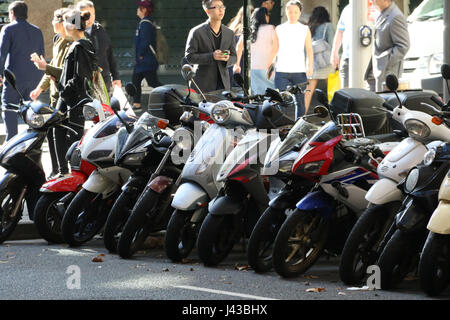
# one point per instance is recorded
(53, 175)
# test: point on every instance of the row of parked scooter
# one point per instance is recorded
(358, 177)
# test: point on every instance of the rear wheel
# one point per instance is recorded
(8, 200)
(181, 235)
(299, 243)
(434, 266)
(216, 238)
(48, 217)
(260, 244)
(84, 217)
(360, 249)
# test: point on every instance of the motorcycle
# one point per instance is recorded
(344, 169)
(57, 193)
(86, 214)
(407, 234)
(364, 244)
(233, 213)
(21, 157)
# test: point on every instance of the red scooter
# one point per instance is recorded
(59, 192)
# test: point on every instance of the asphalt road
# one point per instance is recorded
(32, 269)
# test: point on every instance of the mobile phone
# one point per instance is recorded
(225, 52)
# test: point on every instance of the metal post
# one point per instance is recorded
(245, 53)
(446, 42)
(358, 54)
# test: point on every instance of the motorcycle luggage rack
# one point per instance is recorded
(351, 125)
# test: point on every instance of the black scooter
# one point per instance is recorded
(21, 157)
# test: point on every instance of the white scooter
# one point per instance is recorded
(87, 212)
(365, 241)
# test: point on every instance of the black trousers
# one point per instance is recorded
(64, 138)
(152, 79)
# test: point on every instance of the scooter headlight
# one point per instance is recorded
(417, 129)
(36, 120)
(429, 157)
(221, 111)
(411, 180)
(89, 112)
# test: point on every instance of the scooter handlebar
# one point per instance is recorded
(437, 101)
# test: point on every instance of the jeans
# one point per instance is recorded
(152, 80)
(259, 82)
(283, 80)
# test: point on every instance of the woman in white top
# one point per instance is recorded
(292, 40)
(262, 42)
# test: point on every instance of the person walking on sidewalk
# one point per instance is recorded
(18, 40)
(391, 44)
(293, 39)
(103, 47)
(212, 47)
(61, 45)
(145, 45)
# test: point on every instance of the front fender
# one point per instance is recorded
(10, 179)
(98, 183)
(134, 184)
(284, 199)
(188, 197)
(384, 191)
(317, 201)
(440, 220)
(411, 218)
(66, 183)
(224, 205)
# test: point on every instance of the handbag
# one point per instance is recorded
(322, 52)
(334, 84)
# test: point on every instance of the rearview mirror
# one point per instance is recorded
(392, 82)
(10, 77)
(321, 111)
(115, 104)
(274, 95)
(187, 72)
(130, 89)
(445, 70)
(322, 97)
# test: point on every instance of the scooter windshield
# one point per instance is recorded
(144, 130)
(299, 134)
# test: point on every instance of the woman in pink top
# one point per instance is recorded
(262, 42)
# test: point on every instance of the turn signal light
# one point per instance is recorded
(161, 124)
(437, 121)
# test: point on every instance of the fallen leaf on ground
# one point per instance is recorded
(315, 290)
(242, 268)
(365, 288)
(97, 259)
(342, 293)
(166, 270)
(2, 261)
(186, 260)
(310, 277)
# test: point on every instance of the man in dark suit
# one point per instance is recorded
(391, 43)
(18, 40)
(103, 47)
(212, 46)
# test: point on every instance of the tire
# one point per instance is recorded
(83, 218)
(434, 265)
(260, 244)
(397, 258)
(47, 219)
(181, 236)
(137, 226)
(216, 238)
(283, 253)
(117, 218)
(360, 249)
(8, 199)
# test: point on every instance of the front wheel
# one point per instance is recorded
(117, 218)
(361, 247)
(434, 266)
(84, 217)
(48, 217)
(260, 244)
(8, 201)
(397, 258)
(299, 243)
(181, 235)
(137, 227)
(216, 238)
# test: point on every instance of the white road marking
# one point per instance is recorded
(224, 293)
